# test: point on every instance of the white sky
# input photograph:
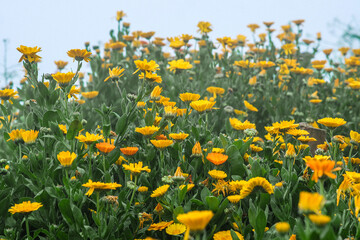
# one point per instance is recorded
(58, 26)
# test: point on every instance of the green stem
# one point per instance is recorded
(97, 202)
(90, 159)
(27, 228)
(134, 190)
(349, 165)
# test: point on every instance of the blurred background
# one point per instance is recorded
(58, 26)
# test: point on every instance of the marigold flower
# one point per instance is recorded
(195, 220)
(282, 227)
(217, 158)
(310, 202)
(178, 65)
(250, 107)
(320, 219)
(238, 125)
(151, 77)
(15, 135)
(217, 174)
(306, 139)
(63, 79)
(105, 147)
(99, 186)
(66, 158)
(30, 136)
(178, 136)
(189, 186)
(202, 105)
(25, 207)
(148, 130)
(256, 182)
(204, 27)
(6, 94)
(129, 151)
(155, 94)
(29, 53)
(136, 168)
(226, 235)
(79, 54)
(160, 191)
(89, 138)
(288, 48)
(196, 150)
(146, 66)
(120, 15)
(143, 189)
(90, 95)
(290, 152)
(115, 73)
(175, 229)
(215, 90)
(234, 198)
(161, 144)
(253, 27)
(60, 64)
(321, 167)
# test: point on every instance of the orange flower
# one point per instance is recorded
(217, 158)
(79, 54)
(322, 167)
(105, 147)
(129, 151)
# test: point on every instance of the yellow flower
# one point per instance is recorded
(148, 130)
(189, 186)
(234, 198)
(215, 90)
(79, 54)
(74, 90)
(66, 158)
(178, 136)
(319, 220)
(281, 127)
(178, 65)
(99, 186)
(238, 125)
(226, 235)
(297, 132)
(161, 143)
(202, 105)
(217, 158)
(256, 182)
(155, 94)
(90, 95)
(63, 79)
(250, 107)
(196, 220)
(332, 122)
(253, 27)
(159, 226)
(306, 139)
(15, 135)
(196, 150)
(290, 152)
(189, 97)
(355, 137)
(204, 27)
(176, 229)
(120, 15)
(217, 174)
(29, 53)
(143, 189)
(60, 64)
(311, 202)
(115, 73)
(6, 94)
(105, 147)
(176, 43)
(288, 48)
(30, 136)
(89, 138)
(25, 207)
(151, 77)
(160, 191)
(136, 168)
(146, 66)
(282, 227)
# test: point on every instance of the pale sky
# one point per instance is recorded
(58, 26)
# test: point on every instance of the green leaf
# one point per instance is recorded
(3, 109)
(43, 89)
(74, 128)
(52, 116)
(260, 224)
(30, 120)
(121, 125)
(233, 235)
(149, 120)
(213, 203)
(204, 193)
(182, 194)
(64, 206)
